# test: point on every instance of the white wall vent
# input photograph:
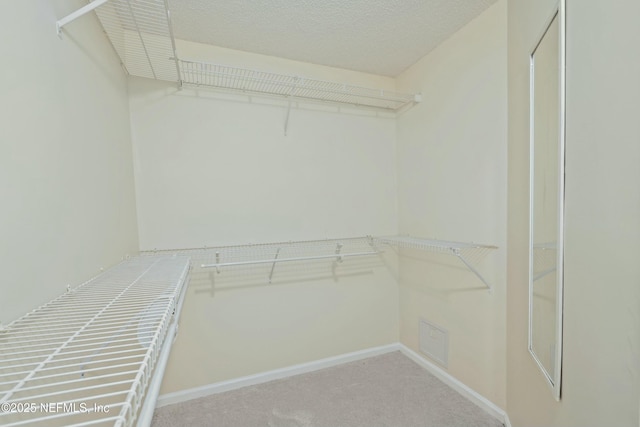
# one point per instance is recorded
(434, 342)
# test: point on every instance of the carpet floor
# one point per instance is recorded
(383, 391)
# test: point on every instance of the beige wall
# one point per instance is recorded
(235, 323)
(452, 186)
(68, 205)
(602, 236)
(216, 169)
(66, 180)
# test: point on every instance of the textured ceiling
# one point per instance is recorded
(375, 36)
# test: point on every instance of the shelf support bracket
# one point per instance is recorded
(173, 44)
(273, 266)
(338, 256)
(544, 273)
(77, 14)
(286, 120)
(338, 260)
(456, 252)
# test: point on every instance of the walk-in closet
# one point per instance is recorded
(336, 213)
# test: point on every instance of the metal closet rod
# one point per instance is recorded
(277, 260)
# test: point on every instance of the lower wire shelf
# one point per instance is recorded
(468, 253)
(94, 355)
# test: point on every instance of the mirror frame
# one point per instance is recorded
(559, 12)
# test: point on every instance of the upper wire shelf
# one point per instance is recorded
(262, 259)
(141, 33)
(211, 75)
(430, 244)
(278, 262)
(470, 254)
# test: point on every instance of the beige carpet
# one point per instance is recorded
(388, 390)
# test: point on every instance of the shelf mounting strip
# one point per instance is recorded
(203, 74)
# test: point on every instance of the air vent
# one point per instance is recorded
(434, 342)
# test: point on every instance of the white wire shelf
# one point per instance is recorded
(470, 254)
(140, 32)
(92, 355)
(281, 261)
(202, 74)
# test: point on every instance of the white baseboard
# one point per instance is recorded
(303, 368)
(507, 422)
(472, 395)
(220, 387)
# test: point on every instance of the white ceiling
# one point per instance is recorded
(375, 36)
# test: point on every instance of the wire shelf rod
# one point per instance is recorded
(72, 372)
(99, 328)
(290, 86)
(64, 329)
(79, 363)
(74, 321)
(117, 337)
(68, 366)
(430, 243)
(278, 260)
(102, 295)
(79, 322)
(91, 332)
(81, 343)
(90, 397)
(87, 398)
(39, 354)
(145, 27)
(58, 360)
(119, 305)
(83, 424)
(94, 329)
(140, 381)
(311, 244)
(78, 381)
(65, 415)
(85, 313)
(71, 391)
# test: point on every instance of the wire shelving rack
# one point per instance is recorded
(141, 33)
(203, 74)
(96, 354)
(280, 261)
(470, 254)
